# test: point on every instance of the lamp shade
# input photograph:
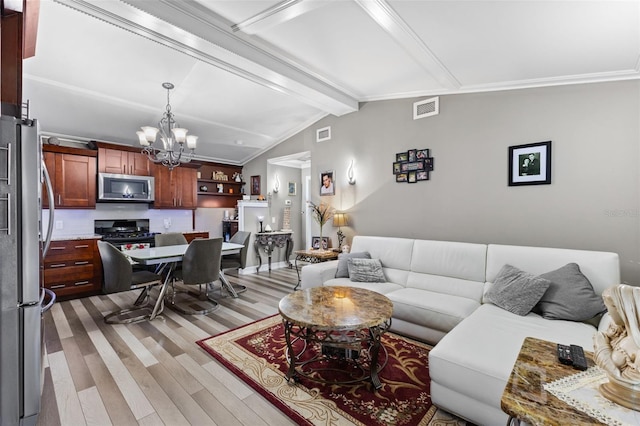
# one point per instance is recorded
(339, 219)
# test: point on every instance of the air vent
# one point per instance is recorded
(426, 108)
(323, 134)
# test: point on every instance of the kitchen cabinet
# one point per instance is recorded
(72, 268)
(175, 189)
(73, 177)
(190, 236)
(123, 162)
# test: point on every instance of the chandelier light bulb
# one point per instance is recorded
(180, 134)
(142, 138)
(192, 140)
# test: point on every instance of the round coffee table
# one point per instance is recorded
(344, 325)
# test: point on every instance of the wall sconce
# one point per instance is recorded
(340, 219)
(350, 174)
(276, 186)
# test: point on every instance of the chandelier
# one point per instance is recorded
(172, 136)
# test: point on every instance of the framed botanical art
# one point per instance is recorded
(530, 164)
(255, 185)
(291, 188)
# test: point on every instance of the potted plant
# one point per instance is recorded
(321, 213)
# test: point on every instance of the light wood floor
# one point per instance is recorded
(153, 373)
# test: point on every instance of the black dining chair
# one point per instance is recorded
(118, 276)
(237, 260)
(200, 266)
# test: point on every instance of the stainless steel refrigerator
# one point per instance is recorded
(23, 300)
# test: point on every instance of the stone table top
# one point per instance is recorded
(524, 397)
(320, 254)
(336, 308)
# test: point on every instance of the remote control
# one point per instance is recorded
(564, 354)
(577, 356)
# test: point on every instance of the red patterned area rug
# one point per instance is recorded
(257, 354)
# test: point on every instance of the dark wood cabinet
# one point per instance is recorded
(175, 189)
(73, 177)
(72, 268)
(190, 236)
(123, 162)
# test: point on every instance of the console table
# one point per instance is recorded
(268, 241)
(524, 398)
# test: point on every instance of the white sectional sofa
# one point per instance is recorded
(438, 291)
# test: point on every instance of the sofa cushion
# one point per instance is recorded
(570, 296)
(516, 291)
(343, 268)
(431, 310)
(382, 288)
(365, 270)
(466, 261)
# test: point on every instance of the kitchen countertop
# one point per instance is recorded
(77, 237)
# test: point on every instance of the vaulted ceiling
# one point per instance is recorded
(249, 74)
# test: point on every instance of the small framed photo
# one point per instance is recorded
(401, 177)
(397, 167)
(402, 156)
(412, 177)
(422, 175)
(530, 164)
(428, 163)
(422, 154)
(255, 185)
(316, 244)
(326, 183)
(291, 188)
(411, 155)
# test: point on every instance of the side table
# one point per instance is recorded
(313, 256)
(524, 398)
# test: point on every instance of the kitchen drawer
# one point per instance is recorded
(68, 274)
(70, 250)
(75, 288)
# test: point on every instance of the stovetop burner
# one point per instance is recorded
(125, 231)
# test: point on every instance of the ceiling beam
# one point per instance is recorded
(277, 14)
(194, 30)
(382, 13)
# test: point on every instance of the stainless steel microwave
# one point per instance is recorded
(125, 188)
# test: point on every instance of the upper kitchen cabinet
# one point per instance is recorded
(122, 160)
(73, 177)
(175, 189)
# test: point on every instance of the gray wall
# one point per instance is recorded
(592, 203)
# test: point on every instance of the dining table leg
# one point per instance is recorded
(159, 306)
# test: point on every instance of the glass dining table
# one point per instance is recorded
(168, 257)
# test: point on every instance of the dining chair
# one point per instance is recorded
(200, 266)
(170, 239)
(237, 260)
(118, 276)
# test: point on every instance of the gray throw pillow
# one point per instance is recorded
(516, 291)
(366, 270)
(343, 269)
(570, 296)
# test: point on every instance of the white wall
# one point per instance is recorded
(593, 202)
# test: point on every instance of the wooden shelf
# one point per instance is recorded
(225, 182)
(220, 194)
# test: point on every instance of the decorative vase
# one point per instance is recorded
(321, 247)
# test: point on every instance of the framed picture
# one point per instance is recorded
(402, 156)
(397, 167)
(530, 164)
(326, 183)
(291, 188)
(316, 244)
(422, 154)
(401, 177)
(422, 175)
(412, 155)
(428, 163)
(255, 185)
(412, 177)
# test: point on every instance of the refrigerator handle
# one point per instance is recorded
(52, 295)
(52, 209)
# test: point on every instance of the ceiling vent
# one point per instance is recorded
(426, 108)
(323, 134)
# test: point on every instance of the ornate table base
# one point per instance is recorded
(268, 241)
(312, 256)
(349, 356)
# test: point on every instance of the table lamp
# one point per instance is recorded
(260, 220)
(339, 220)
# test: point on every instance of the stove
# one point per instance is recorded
(121, 232)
